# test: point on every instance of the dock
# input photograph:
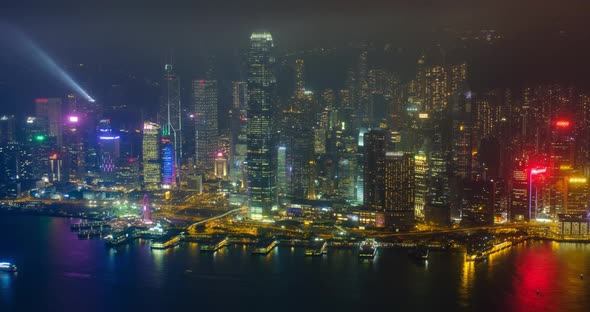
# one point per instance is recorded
(263, 247)
(317, 248)
(92, 234)
(482, 254)
(166, 241)
(214, 244)
(89, 226)
(120, 238)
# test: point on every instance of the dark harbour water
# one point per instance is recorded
(58, 272)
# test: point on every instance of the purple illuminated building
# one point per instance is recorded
(146, 212)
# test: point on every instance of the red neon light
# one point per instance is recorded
(562, 123)
(538, 170)
(202, 81)
(41, 101)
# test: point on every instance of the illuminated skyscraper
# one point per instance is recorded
(577, 195)
(399, 189)
(239, 95)
(562, 145)
(168, 162)
(282, 171)
(346, 177)
(220, 165)
(171, 114)
(421, 182)
(239, 133)
(299, 78)
(457, 75)
(375, 143)
(435, 89)
(261, 84)
(38, 145)
(298, 138)
(7, 128)
(561, 159)
(519, 194)
(49, 113)
(438, 201)
(151, 155)
(206, 123)
(73, 148)
(362, 89)
(55, 168)
(462, 132)
(109, 147)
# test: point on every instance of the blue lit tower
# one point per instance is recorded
(168, 161)
(261, 84)
(170, 115)
(109, 147)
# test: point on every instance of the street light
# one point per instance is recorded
(533, 171)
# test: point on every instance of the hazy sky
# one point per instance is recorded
(137, 34)
(123, 28)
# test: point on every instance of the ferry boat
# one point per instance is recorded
(263, 247)
(420, 253)
(7, 267)
(368, 249)
(214, 244)
(165, 242)
(317, 248)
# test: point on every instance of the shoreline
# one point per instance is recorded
(20, 211)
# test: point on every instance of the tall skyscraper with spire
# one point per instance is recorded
(170, 115)
(261, 81)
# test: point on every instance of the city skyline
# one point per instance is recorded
(315, 155)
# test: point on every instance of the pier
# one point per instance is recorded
(214, 244)
(317, 248)
(166, 241)
(121, 238)
(263, 247)
(89, 226)
(91, 234)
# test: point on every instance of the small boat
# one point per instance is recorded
(368, 249)
(7, 267)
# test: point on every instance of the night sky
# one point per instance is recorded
(544, 39)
